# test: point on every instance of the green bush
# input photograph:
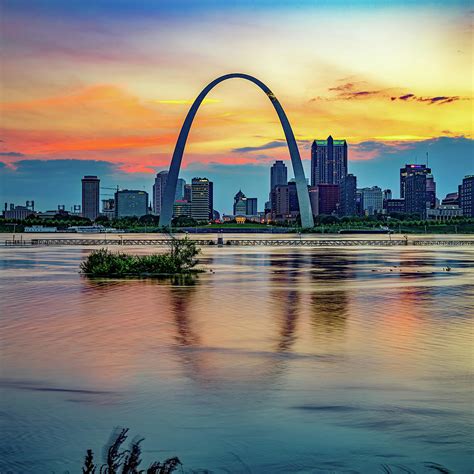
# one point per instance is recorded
(180, 259)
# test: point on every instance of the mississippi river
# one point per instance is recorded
(275, 360)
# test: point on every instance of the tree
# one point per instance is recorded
(149, 219)
(102, 220)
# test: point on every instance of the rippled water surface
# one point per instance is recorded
(278, 360)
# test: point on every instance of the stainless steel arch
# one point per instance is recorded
(301, 185)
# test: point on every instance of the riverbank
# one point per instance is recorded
(329, 226)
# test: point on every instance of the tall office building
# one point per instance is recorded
(328, 161)
(409, 170)
(467, 196)
(187, 192)
(90, 197)
(347, 196)
(430, 191)
(180, 189)
(201, 199)
(252, 206)
(285, 204)
(211, 200)
(131, 203)
(280, 204)
(372, 200)
(278, 177)
(328, 198)
(159, 191)
(415, 194)
(278, 174)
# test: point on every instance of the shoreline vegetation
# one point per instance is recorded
(405, 224)
(180, 259)
(126, 461)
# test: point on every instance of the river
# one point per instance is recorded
(275, 360)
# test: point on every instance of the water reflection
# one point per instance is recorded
(315, 358)
(329, 313)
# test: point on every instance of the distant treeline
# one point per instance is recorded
(406, 223)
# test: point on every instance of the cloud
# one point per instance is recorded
(440, 99)
(13, 154)
(349, 91)
(405, 97)
(359, 90)
(266, 146)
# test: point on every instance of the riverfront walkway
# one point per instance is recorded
(78, 241)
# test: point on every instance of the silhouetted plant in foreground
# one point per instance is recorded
(180, 259)
(126, 461)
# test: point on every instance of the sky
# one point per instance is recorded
(103, 87)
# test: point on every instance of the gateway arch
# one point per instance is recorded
(301, 185)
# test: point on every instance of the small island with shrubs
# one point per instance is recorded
(180, 259)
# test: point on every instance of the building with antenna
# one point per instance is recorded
(410, 170)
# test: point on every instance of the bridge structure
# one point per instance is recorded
(173, 173)
(312, 243)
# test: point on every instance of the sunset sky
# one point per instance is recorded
(102, 87)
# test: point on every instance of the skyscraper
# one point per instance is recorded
(347, 195)
(90, 197)
(409, 170)
(180, 189)
(430, 191)
(159, 190)
(328, 161)
(278, 177)
(415, 194)
(200, 199)
(211, 200)
(467, 196)
(284, 202)
(252, 206)
(187, 192)
(278, 174)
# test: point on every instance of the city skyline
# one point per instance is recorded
(83, 106)
(417, 195)
(226, 187)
